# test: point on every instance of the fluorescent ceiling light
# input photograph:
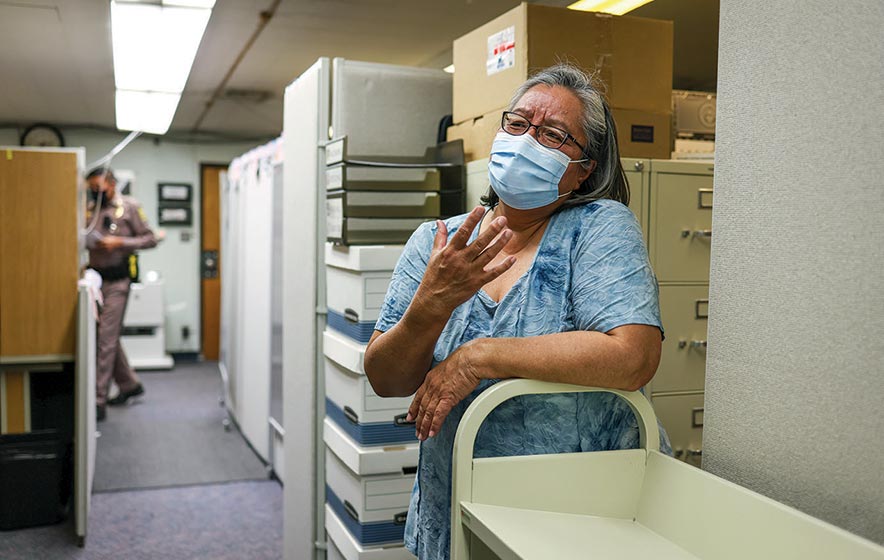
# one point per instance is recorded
(154, 46)
(146, 111)
(449, 69)
(208, 4)
(616, 7)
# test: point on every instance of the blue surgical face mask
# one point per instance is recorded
(524, 173)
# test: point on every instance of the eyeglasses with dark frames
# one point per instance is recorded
(549, 136)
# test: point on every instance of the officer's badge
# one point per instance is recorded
(119, 212)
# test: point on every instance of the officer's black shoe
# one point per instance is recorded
(126, 395)
(100, 412)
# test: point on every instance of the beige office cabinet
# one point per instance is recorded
(682, 417)
(638, 174)
(680, 220)
(685, 312)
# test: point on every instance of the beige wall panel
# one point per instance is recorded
(38, 253)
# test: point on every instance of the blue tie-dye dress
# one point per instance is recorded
(591, 272)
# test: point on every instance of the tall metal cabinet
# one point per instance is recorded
(679, 230)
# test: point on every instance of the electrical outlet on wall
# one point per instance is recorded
(185, 332)
(185, 236)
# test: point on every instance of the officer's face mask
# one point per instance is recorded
(524, 173)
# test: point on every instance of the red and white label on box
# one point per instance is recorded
(501, 51)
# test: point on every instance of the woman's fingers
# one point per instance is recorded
(488, 254)
(462, 235)
(426, 421)
(499, 269)
(415, 405)
(441, 238)
(483, 240)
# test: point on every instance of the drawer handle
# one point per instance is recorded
(351, 415)
(351, 511)
(696, 344)
(698, 314)
(399, 518)
(703, 233)
(700, 194)
(697, 417)
(409, 470)
(399, 420)
(695, 452)
(351, 316)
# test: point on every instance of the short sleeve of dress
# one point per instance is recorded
(612, 283)
(406, 276)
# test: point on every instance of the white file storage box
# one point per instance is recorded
(356, 295)
(363, 258)
(344, 546)
(373, 508)
(364, 416)
(366, 460)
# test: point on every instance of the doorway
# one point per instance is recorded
(210, 259)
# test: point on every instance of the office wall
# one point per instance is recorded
(796, 352)
(177, 258)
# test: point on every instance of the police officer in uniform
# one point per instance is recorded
(120, 229)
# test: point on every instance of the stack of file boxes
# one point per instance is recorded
(371, 455)
(383, 199)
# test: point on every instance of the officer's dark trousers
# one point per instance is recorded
(112, 362)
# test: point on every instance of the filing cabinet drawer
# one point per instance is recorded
(356, 295)
(680, 223)
(684, 311)
(638, 174)
(682, 417)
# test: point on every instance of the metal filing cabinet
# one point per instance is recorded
(685, 312)
(680, 220)
(679, 233)
(682, 416)
(638, 173)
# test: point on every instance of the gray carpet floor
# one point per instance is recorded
(233, 521)
(172, 435)
(170, 483)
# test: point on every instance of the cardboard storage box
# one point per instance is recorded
(643, 134)
(640, 134)
(632, 55)
(477, 134)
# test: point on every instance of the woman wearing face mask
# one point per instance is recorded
(548, 280)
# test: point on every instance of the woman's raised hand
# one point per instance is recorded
(457, 270)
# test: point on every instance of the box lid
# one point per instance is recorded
(363, 257)
(364, 460)
(343, 350)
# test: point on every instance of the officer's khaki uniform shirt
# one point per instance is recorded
(123, 218)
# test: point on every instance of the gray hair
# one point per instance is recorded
(607, 180)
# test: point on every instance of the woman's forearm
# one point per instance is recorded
(396, 361)
(625, 358)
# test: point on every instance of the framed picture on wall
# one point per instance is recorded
(175, 193)
(175, 216)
